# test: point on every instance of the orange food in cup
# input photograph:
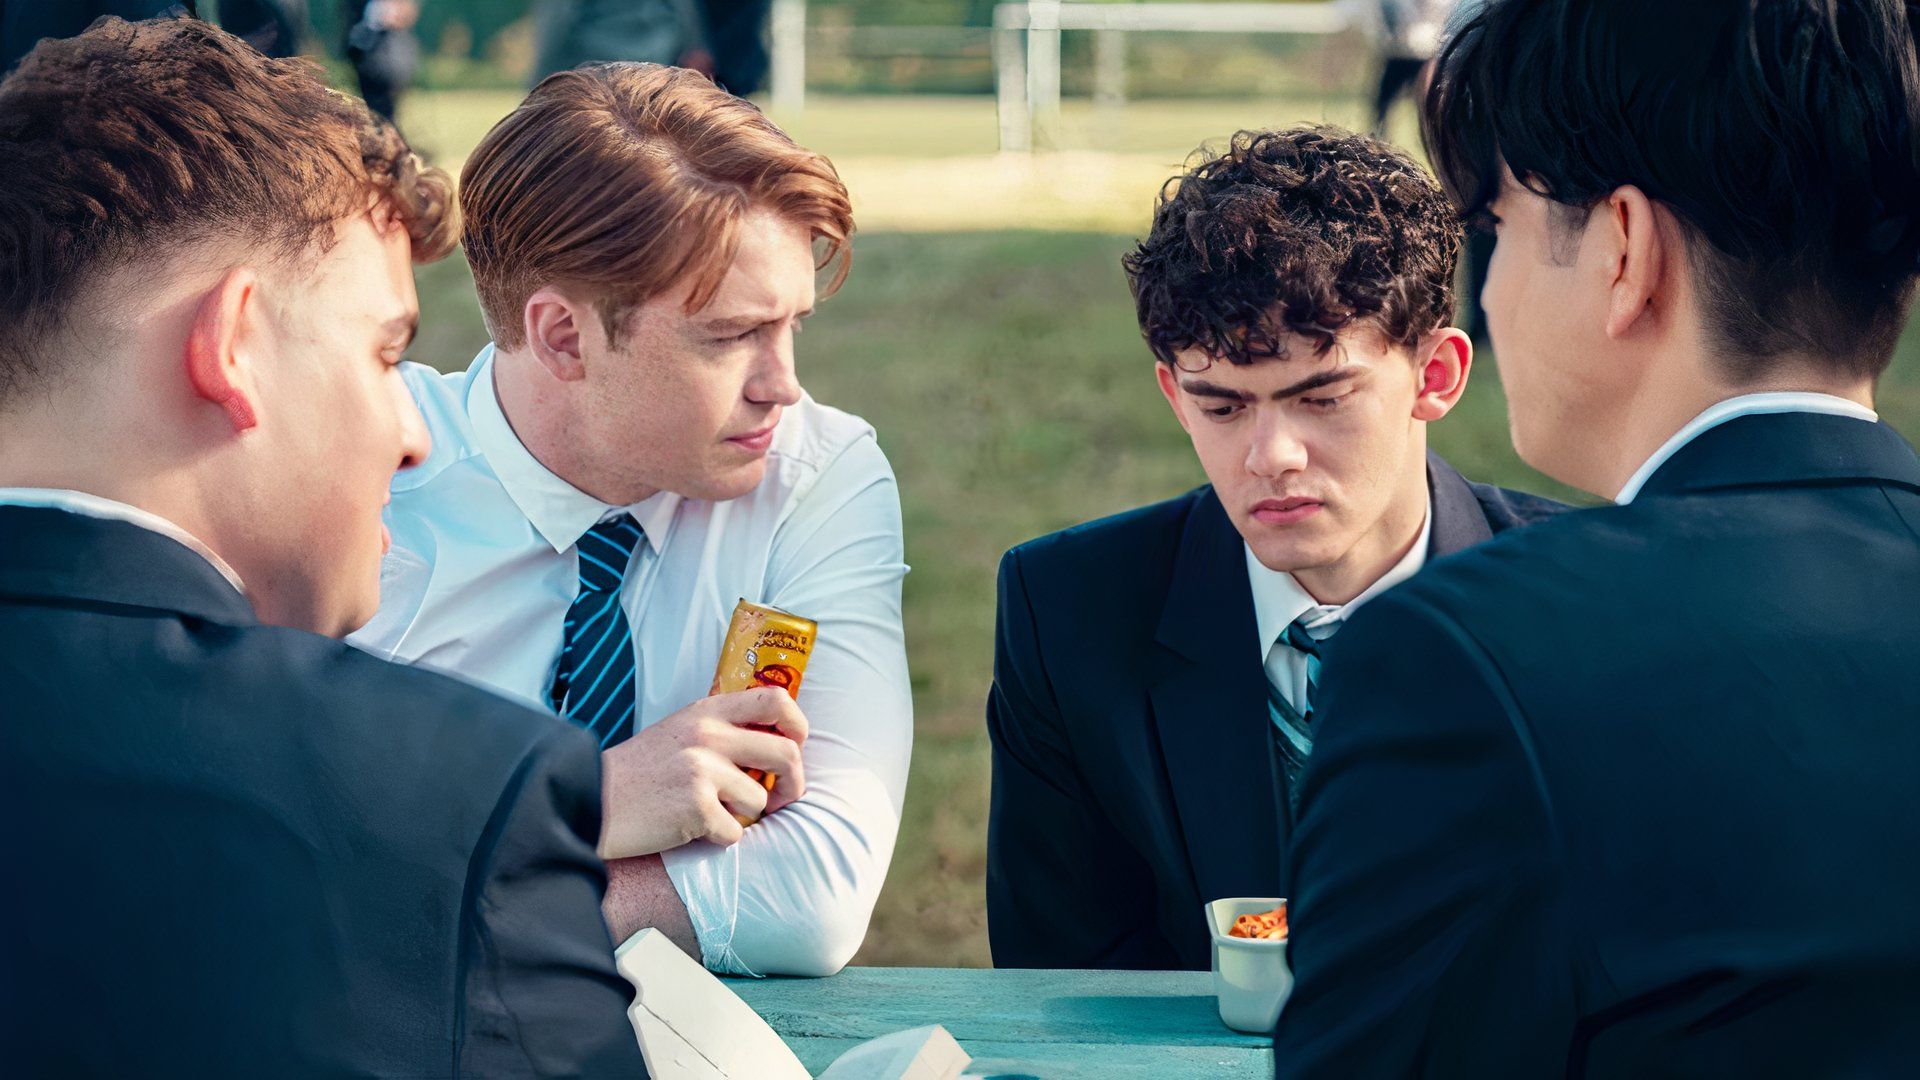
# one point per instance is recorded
(1267, 925)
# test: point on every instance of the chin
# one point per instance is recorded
(1287, 557)
(732, 484)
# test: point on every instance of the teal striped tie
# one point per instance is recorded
(1293, 728)
(1301, 640)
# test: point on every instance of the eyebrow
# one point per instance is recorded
(739, 323)
(1203, 388)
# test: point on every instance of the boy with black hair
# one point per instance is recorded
(1632, 793)
(1153, 698)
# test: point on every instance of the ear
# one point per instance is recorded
(1446, 358)
(1170, 389)
(216, 368)
(554, 325)
(1637, 256)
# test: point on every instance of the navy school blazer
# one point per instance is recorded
(1133, 778)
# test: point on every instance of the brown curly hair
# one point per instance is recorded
(132, 139)
(1307, 232)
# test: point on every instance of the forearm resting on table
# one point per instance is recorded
(640, 895)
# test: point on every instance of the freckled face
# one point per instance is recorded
(688, 402)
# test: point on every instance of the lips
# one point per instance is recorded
(755, 441)
(1286, 511)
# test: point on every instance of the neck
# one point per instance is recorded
(99, 450)
(538, 408)
(1679, 392)
(1380, 551)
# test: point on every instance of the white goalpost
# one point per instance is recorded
(1026, 48)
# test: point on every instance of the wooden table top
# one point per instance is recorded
(1051, 1025)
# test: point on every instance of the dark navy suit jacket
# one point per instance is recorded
(1634, 792)
(241, 850)
(1132, 771)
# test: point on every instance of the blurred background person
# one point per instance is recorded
(275, 27)
(1413, 32)
(737, 39)
(381, 47)
(575, 32)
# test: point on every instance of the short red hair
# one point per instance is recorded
(623, 180)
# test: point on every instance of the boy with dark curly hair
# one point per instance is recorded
(1153, 703)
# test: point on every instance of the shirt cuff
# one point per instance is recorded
(707, 877)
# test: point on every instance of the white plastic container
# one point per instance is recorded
(1250, 975)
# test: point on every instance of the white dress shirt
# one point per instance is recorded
(483, 569)
(1733, 408)
(94, 506)
(1278, 600)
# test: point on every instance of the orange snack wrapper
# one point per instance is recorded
(1267, 925)
(764, 647)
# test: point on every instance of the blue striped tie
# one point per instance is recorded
(593, 685)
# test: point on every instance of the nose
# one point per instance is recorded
(415, 442)
(774, 380)
(1275, 450)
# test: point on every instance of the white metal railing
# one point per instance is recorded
(1026, 48)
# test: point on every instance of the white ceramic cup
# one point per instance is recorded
(1250, 975)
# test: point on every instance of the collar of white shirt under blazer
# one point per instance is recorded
(1215, 681)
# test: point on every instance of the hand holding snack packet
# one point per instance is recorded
(681, 779)
(764, 647)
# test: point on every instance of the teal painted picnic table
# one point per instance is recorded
(1052, 1025)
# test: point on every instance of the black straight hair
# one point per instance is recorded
(1783, 134)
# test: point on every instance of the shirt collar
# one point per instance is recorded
(1733, 408)
(560, 512)
(95, 506)
(1278, 599)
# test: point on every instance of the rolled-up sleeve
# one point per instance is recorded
(794, 896)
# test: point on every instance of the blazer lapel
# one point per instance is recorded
(1209, 707)
(1459, 521)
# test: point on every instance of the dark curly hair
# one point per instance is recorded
(1308, 231)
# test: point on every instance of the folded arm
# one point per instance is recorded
(794, 896)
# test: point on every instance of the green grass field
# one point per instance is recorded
(1010, 388)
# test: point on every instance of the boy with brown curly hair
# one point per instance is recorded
(1152, 704)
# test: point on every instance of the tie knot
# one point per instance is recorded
(1299, 637)
(605, 551)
